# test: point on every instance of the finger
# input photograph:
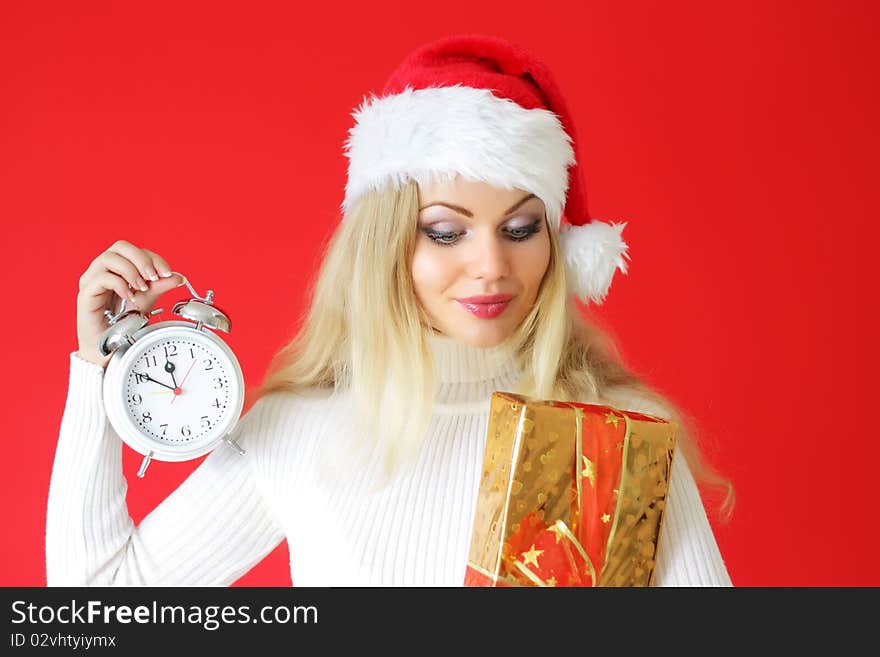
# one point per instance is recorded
(159, 263)
(156, 290)
(94, 295)
(124, 267)
(138, 256)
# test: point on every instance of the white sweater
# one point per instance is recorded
(234, 509)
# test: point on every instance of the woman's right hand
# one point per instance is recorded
(125, 271)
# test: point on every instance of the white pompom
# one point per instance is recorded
(593, 252)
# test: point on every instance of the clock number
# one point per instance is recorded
(147, 358)
(216, 403)
(164, 426)
(209, 364)
(147, 417)
(191, 354)
(170, 350)
(141, 378)
(185, 430)
(206, 423)
(219, 382)
(136, 399)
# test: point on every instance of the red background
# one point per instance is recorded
(734, 140)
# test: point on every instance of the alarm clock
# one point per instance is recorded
(173, 390)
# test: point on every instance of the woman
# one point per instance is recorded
(445, 281)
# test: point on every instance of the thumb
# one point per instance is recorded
(145, 301)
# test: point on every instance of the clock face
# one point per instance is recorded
(180, 390)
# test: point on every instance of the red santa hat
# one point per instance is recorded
(484, 109)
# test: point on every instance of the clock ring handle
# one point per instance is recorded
(112, 318)
(208, 298)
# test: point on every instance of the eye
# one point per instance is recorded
(520, 233)
(444, 238)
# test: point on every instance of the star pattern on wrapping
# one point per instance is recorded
(611, 418)
(557, 531)
(589, 471)
(606, 518)
(532, 556)
(551, 581)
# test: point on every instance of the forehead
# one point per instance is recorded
(476, 196)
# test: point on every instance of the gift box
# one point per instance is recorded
(571, 495)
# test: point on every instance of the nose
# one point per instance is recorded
(489, 258)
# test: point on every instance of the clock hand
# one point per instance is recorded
(169, 367)
(179, 389)
(149, 378)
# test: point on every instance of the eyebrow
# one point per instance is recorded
(468, 213)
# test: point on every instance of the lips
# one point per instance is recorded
(486, 298)
(487, 306)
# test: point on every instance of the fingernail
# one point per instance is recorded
(166, 274)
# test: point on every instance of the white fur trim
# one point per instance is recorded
(593, 252)
(440, 132)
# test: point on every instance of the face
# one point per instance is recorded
(479, 259)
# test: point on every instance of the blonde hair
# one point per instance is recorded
(365, 333)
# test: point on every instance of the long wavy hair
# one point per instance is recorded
(365, 334)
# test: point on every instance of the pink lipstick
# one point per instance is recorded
(486, 306)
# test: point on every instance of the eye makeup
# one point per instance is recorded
(515, 233)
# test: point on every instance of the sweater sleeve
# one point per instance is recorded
(688, 553)
(211, 530)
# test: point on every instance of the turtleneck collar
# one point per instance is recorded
(467, 374)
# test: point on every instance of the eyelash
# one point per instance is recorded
(524, 233)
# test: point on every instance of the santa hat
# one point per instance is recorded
(484, 109)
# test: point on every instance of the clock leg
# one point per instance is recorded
(234, 444)
(146, 462)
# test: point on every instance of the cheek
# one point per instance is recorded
(431, 271)
(533, 263)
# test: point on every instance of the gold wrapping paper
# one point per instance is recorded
(571, 495)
